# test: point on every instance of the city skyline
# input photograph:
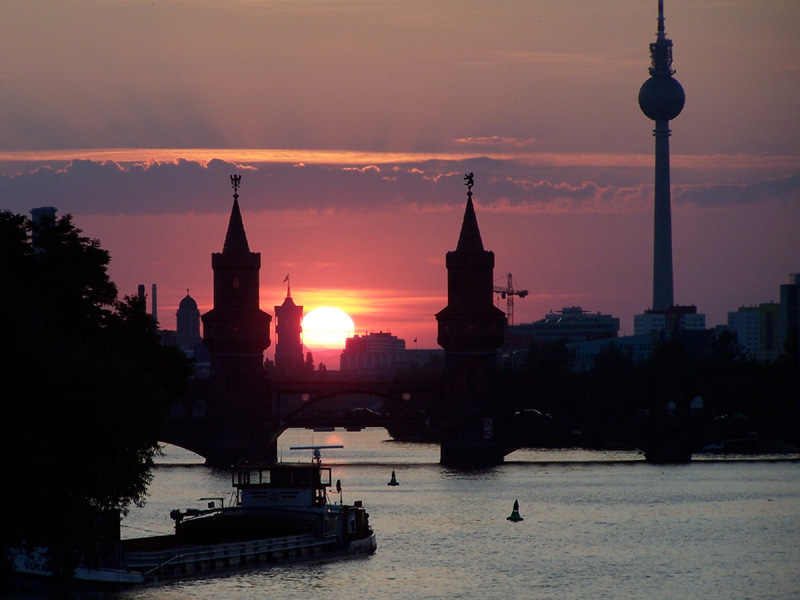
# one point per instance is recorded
(352, 126)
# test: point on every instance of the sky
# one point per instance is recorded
(352, 124)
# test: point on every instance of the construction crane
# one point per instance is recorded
(508, 294)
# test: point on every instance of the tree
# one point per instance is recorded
(615, 385)
(552, 383)
(87, 383)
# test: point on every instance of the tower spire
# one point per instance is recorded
(235, 238)
(661, 35)
(469, 240)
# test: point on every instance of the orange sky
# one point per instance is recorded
(352, 125)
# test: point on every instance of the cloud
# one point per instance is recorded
(546, 196)
(784, 190)
(496, 141)
(183, 186)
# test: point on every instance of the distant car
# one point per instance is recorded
(531, 413)
(365, 413)
(732, 417)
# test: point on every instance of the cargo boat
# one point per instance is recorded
(279, 513)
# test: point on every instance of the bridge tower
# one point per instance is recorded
(471, 329)
(236, 332)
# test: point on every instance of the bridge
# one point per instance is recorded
(307, 403)
(196, 423)
(238, 413)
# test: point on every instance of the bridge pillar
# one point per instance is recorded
(465, 447)
(239, 420)
(469, 419)
(226, 421)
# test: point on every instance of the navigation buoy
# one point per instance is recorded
(514, 516)
(393, 480)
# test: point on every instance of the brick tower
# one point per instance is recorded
(471, 329)
(236, 332)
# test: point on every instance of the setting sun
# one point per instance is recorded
(327, 327)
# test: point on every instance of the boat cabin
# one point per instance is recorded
(281, 485)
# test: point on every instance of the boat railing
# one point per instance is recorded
(153, 561)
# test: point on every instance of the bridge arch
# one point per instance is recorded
(391, 398)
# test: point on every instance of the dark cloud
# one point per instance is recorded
(184, 186)
(784, 190)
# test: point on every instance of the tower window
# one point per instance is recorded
(236, 282)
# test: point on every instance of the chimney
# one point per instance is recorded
(154, 301)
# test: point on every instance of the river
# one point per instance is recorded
(596, 525)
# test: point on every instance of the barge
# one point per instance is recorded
(280, 512)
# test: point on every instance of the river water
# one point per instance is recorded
(596, 525)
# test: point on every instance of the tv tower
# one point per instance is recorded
(661, 99)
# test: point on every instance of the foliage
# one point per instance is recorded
(678, 369)
(545, 381)
(87, 385)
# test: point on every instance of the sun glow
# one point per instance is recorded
(327, 327)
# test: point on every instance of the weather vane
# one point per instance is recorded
(468, 177)
(235, 182)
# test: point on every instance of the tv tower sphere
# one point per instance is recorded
(661, 97)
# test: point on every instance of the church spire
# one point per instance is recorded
(235, 239)
(470, 238)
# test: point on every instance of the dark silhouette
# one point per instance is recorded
(86, 387)
(236, 332)
(471, 329)
(713, 398)
(288, 343)
(661, 99)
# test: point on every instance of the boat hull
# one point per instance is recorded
(31, 570)
(197, 561)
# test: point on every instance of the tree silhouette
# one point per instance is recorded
(87, 386)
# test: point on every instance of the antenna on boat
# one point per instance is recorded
(317, 455)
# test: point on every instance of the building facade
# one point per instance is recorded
(638, 347)
(381, 354)
(673, 318)
(571, 324)
(789, 323)
(757, 330)
(372, 354)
